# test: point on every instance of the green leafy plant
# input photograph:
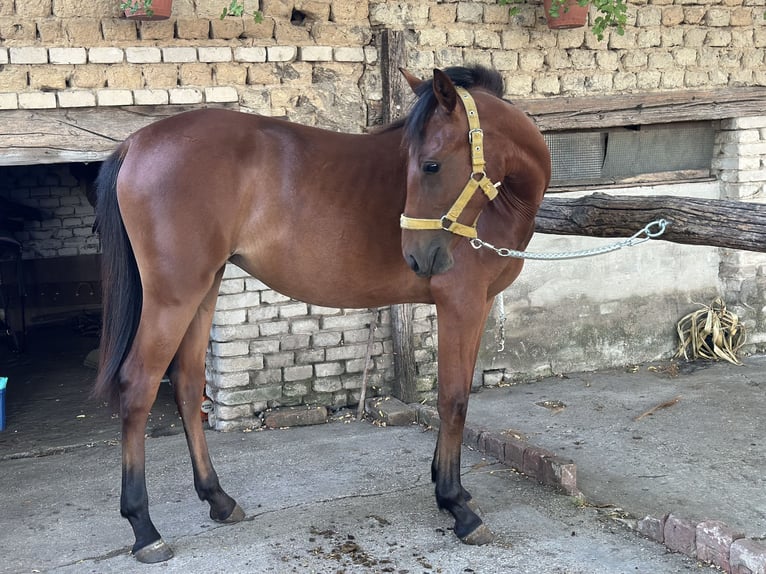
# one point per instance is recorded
(611, 13)
(133, 6)
(237, 8)
(514, 10)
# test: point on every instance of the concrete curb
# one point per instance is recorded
(710, 541)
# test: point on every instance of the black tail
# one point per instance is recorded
(121, 283)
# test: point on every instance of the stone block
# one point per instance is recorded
(221, 94)
(214, 54)
(9, 101)
(84, 31)
(714, 540)
(160, 75)
(250, 54)
(37, 100)
(560, 473)
(194, 96)
(298, 373)
(748, 556)
(226, 29)
(105, 55)
(281, 53)
(349, 54)
(67, 55)
(346, 352)
(390, 411)
(514, 452)
(49, 78)
(76, 98)
(119, 30)
(427, 415)
(492, 445)
(680, 535)
(235, 316)
(227, 413)
(193, 29)
(533, 462)
(124, 76)
(470, 12)
(28, 55)
(315, 53)
(179, 54)
(230, 380)
(653, 528)
(327, 385)
(295, 416)
(472, 436)
(143, 55)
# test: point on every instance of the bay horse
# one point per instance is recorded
(338, 220)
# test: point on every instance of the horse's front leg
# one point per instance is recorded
(460, 329)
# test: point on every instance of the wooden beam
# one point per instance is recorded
(692, 221)
(392, 55)
(553, 114)
(31, 137)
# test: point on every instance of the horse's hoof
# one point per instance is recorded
(155, 552)
(481, 535)
(237, 515)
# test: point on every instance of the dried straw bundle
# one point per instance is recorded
(711, 333)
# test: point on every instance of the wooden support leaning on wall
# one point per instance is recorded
(392, 57)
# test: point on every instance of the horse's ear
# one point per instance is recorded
(445, 91)
(413, 81)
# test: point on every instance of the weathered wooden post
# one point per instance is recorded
(392, 57)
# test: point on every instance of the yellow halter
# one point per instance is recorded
(448, 221)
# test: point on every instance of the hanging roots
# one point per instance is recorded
(711, 333)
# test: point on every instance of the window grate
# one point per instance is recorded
(610, 156)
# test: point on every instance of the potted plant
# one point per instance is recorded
(611, 13)
(564, 14)
(147, 9)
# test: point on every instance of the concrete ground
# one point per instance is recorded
(331, 498)
(356, 497)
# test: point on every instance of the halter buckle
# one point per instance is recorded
(476, 131)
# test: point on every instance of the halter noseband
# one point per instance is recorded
(448, 221)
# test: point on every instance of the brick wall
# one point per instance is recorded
(741, 164)
(268, 350)
(68, 229)
(58, 54)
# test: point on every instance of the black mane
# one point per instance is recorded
(474, 77)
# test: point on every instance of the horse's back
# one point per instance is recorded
(312, 213)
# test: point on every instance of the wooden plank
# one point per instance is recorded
(553, 114)
(692, 221)
(392, 55)
(30, 137)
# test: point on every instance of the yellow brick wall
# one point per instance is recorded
(667, 45)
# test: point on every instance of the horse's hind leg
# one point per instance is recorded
(187, 373)
(165, 318)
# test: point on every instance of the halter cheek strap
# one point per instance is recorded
(477, 180)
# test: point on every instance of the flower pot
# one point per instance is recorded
(571, 15)
(160, 10)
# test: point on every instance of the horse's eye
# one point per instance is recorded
(431, 167)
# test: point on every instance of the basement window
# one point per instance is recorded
(631, 155)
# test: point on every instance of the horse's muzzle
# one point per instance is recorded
(432, 260)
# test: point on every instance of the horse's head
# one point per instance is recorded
(447, 182)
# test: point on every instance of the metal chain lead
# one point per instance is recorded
(645, 234)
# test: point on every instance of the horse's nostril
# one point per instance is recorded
(412, 262)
